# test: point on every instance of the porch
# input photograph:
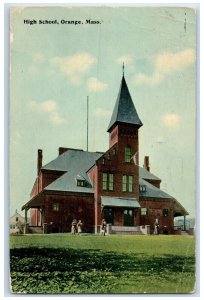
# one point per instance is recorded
(126, 230)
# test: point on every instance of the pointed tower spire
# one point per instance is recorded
(124, 110)
(123, 69)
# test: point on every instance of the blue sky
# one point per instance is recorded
(55, 67)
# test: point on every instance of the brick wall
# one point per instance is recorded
(113, 161)
(45, 178)
(155, 209)
(80, 207)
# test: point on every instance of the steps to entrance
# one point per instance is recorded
(129, 230)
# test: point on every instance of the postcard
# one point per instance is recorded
(102, 149)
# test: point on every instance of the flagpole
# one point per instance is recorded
(87, 129)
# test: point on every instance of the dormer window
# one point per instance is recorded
(143, 188)
(81, 182)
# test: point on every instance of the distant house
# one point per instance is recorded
(189, 224)
(16, 223)
(92, 186)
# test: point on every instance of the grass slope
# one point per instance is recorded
(89, 264)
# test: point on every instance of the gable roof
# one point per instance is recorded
(124, 110)
(75, 163)
(143, 173)
(152, 191)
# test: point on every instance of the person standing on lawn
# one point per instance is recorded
(74, 226)
(103, 227)
(79, 227)
(156, 227)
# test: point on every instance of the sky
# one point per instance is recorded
(54, 67)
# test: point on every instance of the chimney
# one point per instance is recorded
(62, 150)
(40, 157)
(146, 163)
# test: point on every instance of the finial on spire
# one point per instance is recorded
(123, 68)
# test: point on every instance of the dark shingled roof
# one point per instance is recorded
(144, 174)
(124, 110)
(76, 163)
(152, 191)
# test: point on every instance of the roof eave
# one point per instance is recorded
(36, 200)
(137, 125)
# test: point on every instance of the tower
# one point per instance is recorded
(124, 124)
(116, 192)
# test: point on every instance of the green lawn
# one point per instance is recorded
(62, 263)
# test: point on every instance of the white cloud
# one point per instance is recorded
(101, 112)
(75, 66)
(155, 79)
(56, 118)
(168, 62)
(38, 58)
(95, 85)
(171, 121)
(50, 108)
(164, 64)
(126, 59)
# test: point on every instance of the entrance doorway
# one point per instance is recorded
(128, 217)
(108, 215)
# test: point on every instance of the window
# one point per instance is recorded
(11, 226)
(128, 154)
(16, 219)
(110, 177)
(143, 211)
(165, 212)
(55, 206)
(81, 182)
(128, 217)
(130, 184)
(142, 188)
(127, 183)
(107, 181)
(124, 183)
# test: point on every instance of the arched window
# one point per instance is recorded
(128, 154)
